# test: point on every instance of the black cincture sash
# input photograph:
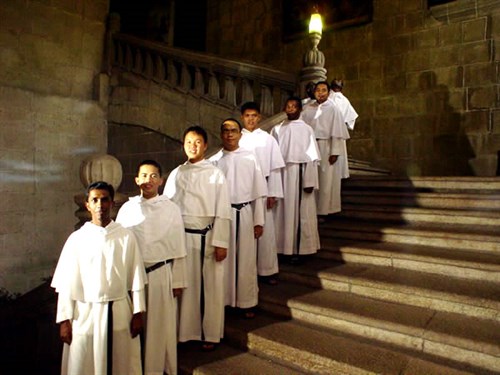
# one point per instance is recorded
(203, 232)
(158, 265)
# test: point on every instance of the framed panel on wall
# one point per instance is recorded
(336, 14)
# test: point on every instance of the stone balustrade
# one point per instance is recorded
(227, 82)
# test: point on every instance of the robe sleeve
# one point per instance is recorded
(65, 308)
(311, 175)
(179, 272)
(221, 232)
(258, 206)
(139, 301)
(274, 184)
(336, 146)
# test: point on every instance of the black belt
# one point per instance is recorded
(203, 232)
(158, 265)
(109, 364)
(238, 208)
(299, 229)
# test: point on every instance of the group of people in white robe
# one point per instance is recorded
(171, 262)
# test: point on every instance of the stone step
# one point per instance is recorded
(226, 360)
(479, 185)
(416, 214)
(466, 237)
(464, 264)
(454, 337)
(486, 202)
(473, 298)
(324, 351)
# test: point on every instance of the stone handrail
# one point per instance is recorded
(227, 82)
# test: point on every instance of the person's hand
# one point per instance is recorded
(66, 332)
(220, 254)
(271, 201)
(308, 190)
(177, 292)
(332, 159)
(136, 324)
(257, 231)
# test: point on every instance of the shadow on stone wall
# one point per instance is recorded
(446, 148)
(131, 144)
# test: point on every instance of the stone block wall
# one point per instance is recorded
(425, 82)
(50, 53)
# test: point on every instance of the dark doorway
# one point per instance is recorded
(190, 24)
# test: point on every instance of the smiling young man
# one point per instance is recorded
(268, 154)
(200, 190)
(156, 222)
(99, 266)
(331, 134)
(296, 225)
(248, 191)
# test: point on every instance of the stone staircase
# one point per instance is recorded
(407, 282)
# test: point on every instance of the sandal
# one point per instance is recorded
(208, 346)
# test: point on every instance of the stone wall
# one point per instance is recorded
(50, 53)
(424, 81)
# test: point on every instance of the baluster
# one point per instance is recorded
(229, 90)
(266, 101)
(172, 73)
(284, 95)
(121, 55)
(185, 77)
(129, 60)
(199, 84)
(138, 63)
(148, 65)
(246, 91)
(213, 86)
(159, 69)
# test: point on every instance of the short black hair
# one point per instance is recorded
(337, 83)
(296, 99)
(322, 83)
(198, 130)
(310, 89)
(150, 162)
(250, 105)
(230, 119)
(100, 185)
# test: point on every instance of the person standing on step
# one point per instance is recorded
(100, 283)
(248, 192)
(156, 222)
(296, 225)
(331, 134)
(200, 190)
(347, 110)
(268, 154)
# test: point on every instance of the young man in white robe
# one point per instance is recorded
(201, 192)
(99, 266)
(248, 192)
(347, 110)
(296, 224)
(268, 154)
(331, 134)
(156, 222)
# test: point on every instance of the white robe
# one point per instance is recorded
(347, 110)
(201, 192)
(99, 265)
(268, 154)
(331, 133)
(298, 147)
(156, 223)
(246, 184)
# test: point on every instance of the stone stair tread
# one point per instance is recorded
(414, 195)
(422, 323)
(326, 352)
(431, 254)
(422, 211)
(473, 292)
(482, 232)
(226, 360)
